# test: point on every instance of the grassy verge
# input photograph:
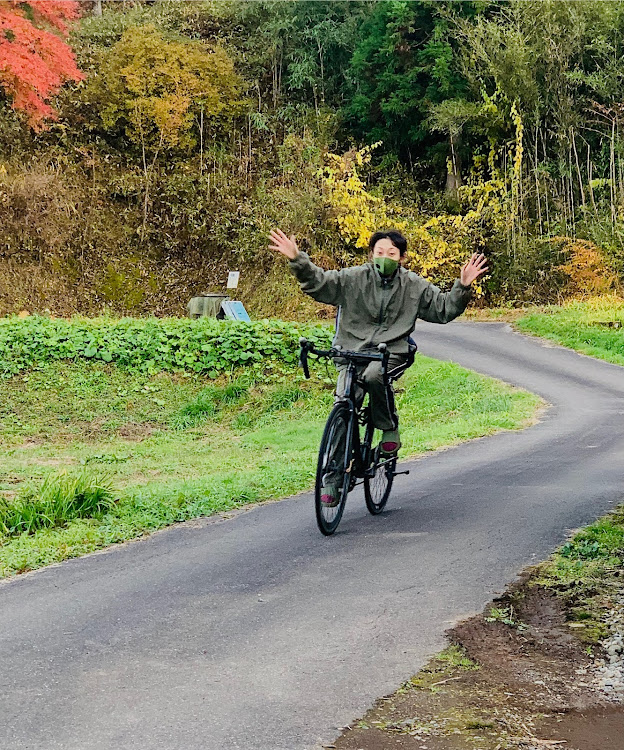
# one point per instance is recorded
(500, 314)
(175, 446)
(586, 575)
(594, 327)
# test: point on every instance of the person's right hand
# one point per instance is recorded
(283, 244)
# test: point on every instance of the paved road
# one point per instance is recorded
(259, 633)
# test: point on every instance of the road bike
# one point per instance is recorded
(348, 455)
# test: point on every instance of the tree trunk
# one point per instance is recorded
(453, 174)
(97, 7)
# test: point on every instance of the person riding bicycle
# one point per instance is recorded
(379, 302)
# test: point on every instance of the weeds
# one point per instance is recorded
(584, 573)
(506, 615)
(455, 657)
(57, 500)
(209, 402)
(583, 560)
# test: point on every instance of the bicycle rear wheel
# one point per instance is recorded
(378, 485)
(334, 467)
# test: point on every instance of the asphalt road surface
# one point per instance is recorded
(257, 632)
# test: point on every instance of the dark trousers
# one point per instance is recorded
(383, 410)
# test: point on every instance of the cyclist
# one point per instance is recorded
(379, 302)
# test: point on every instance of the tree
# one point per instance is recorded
(296, 52)
(558, 64)
(34, 58)
(155, 89)
(403, 65)
(450, 116)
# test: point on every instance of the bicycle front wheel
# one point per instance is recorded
(333, 472)
(378, 484)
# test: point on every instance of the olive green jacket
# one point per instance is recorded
(374, 309)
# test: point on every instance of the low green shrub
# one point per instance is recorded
(55, 501)
(152, 345)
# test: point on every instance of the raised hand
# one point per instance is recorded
(475, 267)
(283, 244)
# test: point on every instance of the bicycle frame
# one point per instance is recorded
(360, 461)
(361, 451)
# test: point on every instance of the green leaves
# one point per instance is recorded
(152, 345)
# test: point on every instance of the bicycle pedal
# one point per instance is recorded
(396, 473)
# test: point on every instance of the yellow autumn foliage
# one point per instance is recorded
(155, 87)
(437, 246)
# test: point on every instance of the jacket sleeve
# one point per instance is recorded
(323, 286)
(442, 307)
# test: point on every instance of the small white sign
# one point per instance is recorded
(233, 277)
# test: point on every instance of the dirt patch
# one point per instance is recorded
(591, 730)
(34, 442)
(57, 462)
(103, 427)
(137, 431)
(11, 479)
(518, 677)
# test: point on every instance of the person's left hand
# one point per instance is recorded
(475, 267)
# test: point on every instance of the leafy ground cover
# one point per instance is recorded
(174, 445)
(526, 673)
(594, 327)
(152, 345)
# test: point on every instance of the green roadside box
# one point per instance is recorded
(206, 306)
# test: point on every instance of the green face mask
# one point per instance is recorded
(386, 266)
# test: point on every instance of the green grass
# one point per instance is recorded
(55, 501)
(177, 446)
(582, 560)
(585, 573)
(594, 327)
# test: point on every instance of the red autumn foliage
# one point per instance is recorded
(34, 58)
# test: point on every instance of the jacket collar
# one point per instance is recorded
(384, 280)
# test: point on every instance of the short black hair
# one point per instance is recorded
(397, 239)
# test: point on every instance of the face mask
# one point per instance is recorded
(386, 266)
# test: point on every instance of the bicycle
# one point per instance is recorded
(346, 455)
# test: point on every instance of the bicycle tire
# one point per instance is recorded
(378, 487)
(340, 418)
